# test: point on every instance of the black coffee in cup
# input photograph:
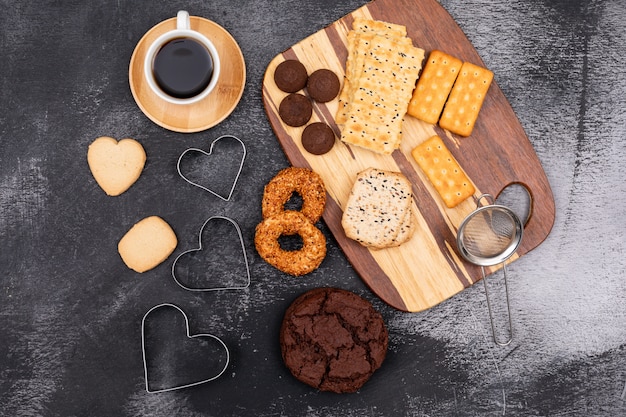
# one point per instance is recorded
(183, 68)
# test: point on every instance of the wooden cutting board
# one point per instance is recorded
(428, 269)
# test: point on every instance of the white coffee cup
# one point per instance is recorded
(183, 31)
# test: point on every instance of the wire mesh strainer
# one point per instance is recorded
(489, 236)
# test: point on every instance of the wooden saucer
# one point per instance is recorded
(207, 112)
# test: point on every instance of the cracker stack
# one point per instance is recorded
(378, 212)
(381, 71)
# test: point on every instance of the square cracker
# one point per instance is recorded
(378, 213)
(407, 228)
(433, 86)
(466, 99)
(363, 24)
(381, 94)
(443, 171)
(361, 42)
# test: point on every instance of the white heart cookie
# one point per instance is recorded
(115, 165)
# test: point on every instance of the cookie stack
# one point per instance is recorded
(378, 213)
(296, 109)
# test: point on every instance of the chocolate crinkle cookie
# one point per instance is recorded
(333, 340)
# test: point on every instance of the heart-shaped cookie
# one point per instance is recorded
(115, 165)
(216, 168)
(173, 358)
(212, 267)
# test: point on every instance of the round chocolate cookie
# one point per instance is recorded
(318, 138)
(290, 76)
(333, 340)
(295, 110)
(323, 85)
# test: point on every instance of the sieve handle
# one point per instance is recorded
(485, 196)
(508, 306)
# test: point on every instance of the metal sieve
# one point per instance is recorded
(489, 236)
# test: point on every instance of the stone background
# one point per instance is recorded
(70, 311)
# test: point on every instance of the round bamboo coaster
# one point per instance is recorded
(207, 112)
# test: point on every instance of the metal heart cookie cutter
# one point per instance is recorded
(218, 262)
(218, 174)
(166, 359)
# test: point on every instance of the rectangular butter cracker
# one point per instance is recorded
(443, 171)
(466, 99)
(433, 86)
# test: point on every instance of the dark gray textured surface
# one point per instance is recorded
(70, 311)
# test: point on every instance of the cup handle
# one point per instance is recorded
(182, 20)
